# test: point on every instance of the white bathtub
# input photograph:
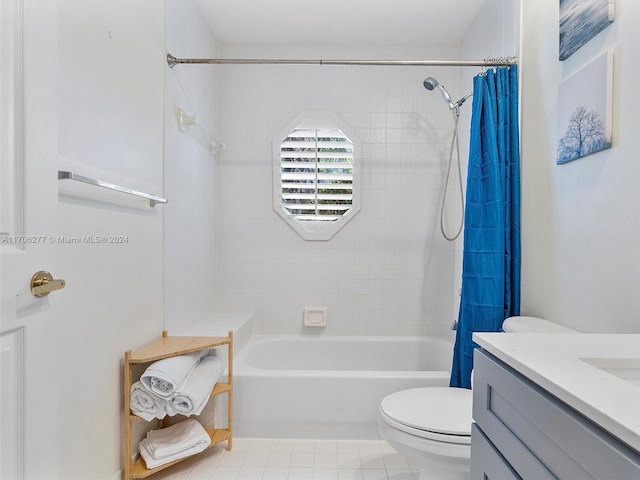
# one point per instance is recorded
(328, 387)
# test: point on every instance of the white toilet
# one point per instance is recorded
(431, 426)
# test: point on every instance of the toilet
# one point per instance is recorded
(431, 426)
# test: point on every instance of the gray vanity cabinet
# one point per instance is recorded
(521, 431)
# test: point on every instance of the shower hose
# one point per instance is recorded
(454, 146)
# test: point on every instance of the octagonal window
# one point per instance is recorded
(316, 186)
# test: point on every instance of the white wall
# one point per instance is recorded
(387, 272)
(189, 171)
(110, 126)
(581, 265)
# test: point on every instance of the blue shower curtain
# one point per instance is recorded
(491, 253)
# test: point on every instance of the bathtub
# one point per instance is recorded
(328, 387)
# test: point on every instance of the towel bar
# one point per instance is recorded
(153, 199)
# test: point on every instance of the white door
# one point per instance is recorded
(28, 227)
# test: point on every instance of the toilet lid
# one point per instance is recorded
(443, 410)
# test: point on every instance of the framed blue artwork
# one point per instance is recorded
(585, 110)
(580, 21)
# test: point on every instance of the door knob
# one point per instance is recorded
(42, 283)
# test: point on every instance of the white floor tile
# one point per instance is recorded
(200, 473)
(251, 473)
(210, 457)
(325, 474)
(261, 445)
(256, 459)
(274, 473)
(374, 474)
(349, 474)
(302, 460)
(226, 473)
(241, 443)
(283, 459)
(400, 475)
(386, 448)
(234, 458)
(300, 474)
(277, 459)
(395, 461)
(372, 460)
(349, 460)
(325, 460)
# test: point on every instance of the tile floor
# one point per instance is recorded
(277, 459)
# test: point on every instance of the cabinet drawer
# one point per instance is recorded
(512, 411)
(486, 461)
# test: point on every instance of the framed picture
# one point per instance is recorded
(580, 21)
(585, 110)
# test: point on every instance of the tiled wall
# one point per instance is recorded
(388, 272)
(189, 172)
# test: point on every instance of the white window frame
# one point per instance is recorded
(310, 229)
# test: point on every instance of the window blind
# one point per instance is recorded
(316, 174)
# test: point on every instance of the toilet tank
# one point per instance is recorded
(533, 325)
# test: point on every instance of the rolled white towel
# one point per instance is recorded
(172, 443)
(146, 404)
(195, 392)
(165, 376)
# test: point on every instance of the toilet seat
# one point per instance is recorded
(442, 414)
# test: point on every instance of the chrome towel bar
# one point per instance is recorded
(153, 199)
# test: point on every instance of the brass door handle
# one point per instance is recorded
(42, 283)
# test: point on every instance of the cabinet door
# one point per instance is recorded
(486, 462)
(540, 436)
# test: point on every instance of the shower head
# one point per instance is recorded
(430, 83)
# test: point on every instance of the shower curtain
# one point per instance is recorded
(491, 252)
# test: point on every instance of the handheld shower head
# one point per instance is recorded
(430, 83)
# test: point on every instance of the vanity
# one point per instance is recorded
(556, 406)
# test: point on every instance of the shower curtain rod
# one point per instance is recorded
(487, 62)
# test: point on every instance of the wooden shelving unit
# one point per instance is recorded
(166, 347)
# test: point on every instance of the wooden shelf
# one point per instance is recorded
(221, 388)
(139, 468)
(166, 347)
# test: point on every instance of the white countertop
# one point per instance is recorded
(553, 361)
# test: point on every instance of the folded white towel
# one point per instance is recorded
(195, 392)
(165, 376)
(157, 462)
(146, 404)
(172, 443)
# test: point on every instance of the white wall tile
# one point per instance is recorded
(189, 174)
(392, 257)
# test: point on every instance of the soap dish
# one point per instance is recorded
(315, 317)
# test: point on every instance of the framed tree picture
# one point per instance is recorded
(580, 21)
(585, 110)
